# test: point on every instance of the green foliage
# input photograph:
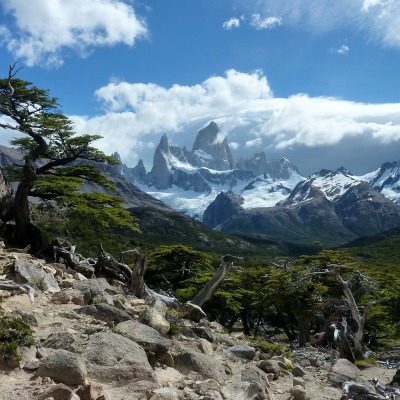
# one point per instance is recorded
(58, 161)
(367, 362)
(39, 282)
(270, 347)
(14, 332)
(180, 269)
(174, 329)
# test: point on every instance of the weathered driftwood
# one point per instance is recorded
(212, 285)
(357, 391)
(29, 290)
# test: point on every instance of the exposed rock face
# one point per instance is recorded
(160, 172)
(330, 207)
(258, 164)
(210, 150)
(222, 208)
(63, 366)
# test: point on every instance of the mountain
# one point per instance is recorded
(331, 206)
(189, 181)
(386, 180)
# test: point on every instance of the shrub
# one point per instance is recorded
(14, 332)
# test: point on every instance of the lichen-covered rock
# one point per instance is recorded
(63, 366)
(144, 335)
(208, 367)
(115, 358)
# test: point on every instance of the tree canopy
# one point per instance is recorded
(57, 161)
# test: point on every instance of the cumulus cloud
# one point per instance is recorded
(231, 23)
(264, 23)
(242, 104)
(44, 30)
(377, 19)
(343, 50)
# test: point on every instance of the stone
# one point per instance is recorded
(192, 312)
(87, 290)
(89, 392)
(254, 374)
(270, 366)
(104, 312)
(146, 336)
(61, 297)
(298, 382)
(114, 358)
(343, 370)
(152, 317)
(245, 391)
(208, 367)
(165, 394)
(36, 277)
(57, 392)
(63, 366)
(60, 340)
(28, 317)
(203, 332)
(298, 371)
(243, 351)
(299, 393)
(205, 347)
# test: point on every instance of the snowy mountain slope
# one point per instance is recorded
(385, 180)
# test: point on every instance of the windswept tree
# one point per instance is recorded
(57, 161)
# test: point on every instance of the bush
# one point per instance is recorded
(14, 332)
(268, 347)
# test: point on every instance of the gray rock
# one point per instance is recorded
(61, 297)
(192, 312)
(57, 392)
(166, 394)
(243, 351)
(270, 366)
(156, 320)
(298, 371)
(189, 360)
(115, 358)
(28, 317)
(36, 277)
(63, 366)
(245, 391)
(224, 338)
(60, 340)
(205, 347)
(104, 312)
(254, 374)
(144, 335)
(343, 370)
(299, 393)
(204, 332)
(89, 289)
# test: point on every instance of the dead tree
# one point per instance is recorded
(212, 285)
(359, 318)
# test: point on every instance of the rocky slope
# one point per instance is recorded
(331, 206)
(94, 341)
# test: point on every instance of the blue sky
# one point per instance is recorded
(316, 81)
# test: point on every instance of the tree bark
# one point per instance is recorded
(212, 285)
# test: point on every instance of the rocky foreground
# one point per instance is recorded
(96, 342)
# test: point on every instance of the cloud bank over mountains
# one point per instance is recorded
(243, 105)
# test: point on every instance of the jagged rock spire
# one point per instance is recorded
(211, 150)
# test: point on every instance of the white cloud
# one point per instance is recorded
(231, 23)
(254, 143)
(137, 114)
(343, 50)
(45, 29)
(264, 23)
(378, 20)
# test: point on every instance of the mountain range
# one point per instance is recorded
(262, 197)
(188, 191)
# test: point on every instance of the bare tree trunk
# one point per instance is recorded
(22, 213)
(359, 346)
(6, 199)
(212, 285)
(137, 278)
